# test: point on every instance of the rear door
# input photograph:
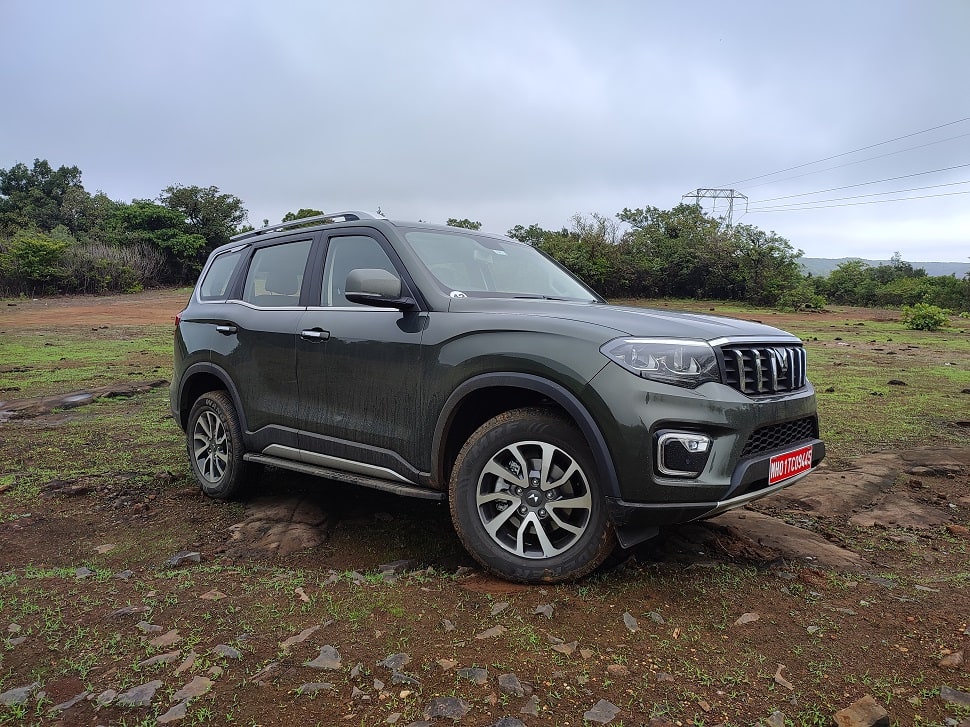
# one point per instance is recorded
(359, 367)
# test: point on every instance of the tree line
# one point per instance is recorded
(56, 237)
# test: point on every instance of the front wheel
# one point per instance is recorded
(214, 441)
(524, 500)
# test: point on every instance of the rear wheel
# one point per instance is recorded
(214, 443)
(524, 499)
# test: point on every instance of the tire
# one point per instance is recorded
(213, 440)
(517, 526)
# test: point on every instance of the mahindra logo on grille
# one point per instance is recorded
(780, 356)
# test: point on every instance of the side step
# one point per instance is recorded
(350, 477)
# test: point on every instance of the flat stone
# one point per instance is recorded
(314, 687)
(226, 651)
(544, 610)
(952, 661)
(630, 622)
(954, 696)
(147, 628)
(140, 696)
(329, 658)
(106, 697)
(64, 706)
(175, 713)
(446, 664)
(183, 557)
(129, 611)
(617, 670)
(447, 624)
(213, 595)
(123, 575)
(747, 618)
(775, 719)
(864, 712)
(497, 608)
(169, 638)
(398, 567)
(160, 659)
(567, 649)
(83, 573)
(491, 633)
(509, 722)
(195, 688)
(18, 695)
(531, 707)
(187, 663)
(474, 674)
(396, 661)
(400, 677)
(602, 712)
(450, 707)
(510, 684)
(299, 638)
(656, 618)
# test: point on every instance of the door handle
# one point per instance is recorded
(314, 334)
(226, 330)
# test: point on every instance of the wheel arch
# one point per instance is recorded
(484, 396)
(200, 378)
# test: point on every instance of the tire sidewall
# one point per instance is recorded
(527, 425)
(218, 404)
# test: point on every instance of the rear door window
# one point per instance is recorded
(215, 284)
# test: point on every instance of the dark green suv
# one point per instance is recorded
(444, 363)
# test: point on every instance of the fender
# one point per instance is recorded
(559, 394)
(205, 367)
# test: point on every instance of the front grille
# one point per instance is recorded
(775, 436)
(763, 370)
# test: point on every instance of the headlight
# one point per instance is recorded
(671, 361)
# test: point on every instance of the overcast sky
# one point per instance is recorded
(510, 112)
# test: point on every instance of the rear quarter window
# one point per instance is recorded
(215, 284)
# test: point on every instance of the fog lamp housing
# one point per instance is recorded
(682, 454)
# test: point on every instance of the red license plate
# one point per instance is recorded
(789, 464)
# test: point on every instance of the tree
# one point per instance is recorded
(300, 214)
(465, 222)
(145, 223)
(41, 197)
(206, 212)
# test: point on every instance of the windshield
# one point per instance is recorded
(467, 265)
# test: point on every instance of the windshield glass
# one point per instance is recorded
(472, 265)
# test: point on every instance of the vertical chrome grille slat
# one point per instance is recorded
(764, 370)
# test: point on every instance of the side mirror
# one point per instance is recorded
(377, 287)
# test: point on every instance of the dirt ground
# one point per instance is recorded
(127, 598)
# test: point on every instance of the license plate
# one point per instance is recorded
(789, 464)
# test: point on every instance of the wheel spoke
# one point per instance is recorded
(548, 451)
(548, 549)
(583, 502)
(570, 471)
(564, 525)
(493, 525)
(503, 496)
(494, 468)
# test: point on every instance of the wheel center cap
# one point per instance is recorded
(533, 497)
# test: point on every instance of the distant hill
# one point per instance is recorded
(822, 266)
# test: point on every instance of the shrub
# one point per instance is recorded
(925, 317)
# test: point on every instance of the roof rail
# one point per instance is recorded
(348, 216)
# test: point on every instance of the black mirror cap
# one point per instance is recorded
(377, 287)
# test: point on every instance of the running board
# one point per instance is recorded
(350, 477)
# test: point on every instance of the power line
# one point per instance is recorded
(846, 153)
(798, 205)
(860, 161)
(862, 184)
(856, 204)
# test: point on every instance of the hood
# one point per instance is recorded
(641, 322)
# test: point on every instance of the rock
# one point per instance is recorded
(106, 697)
(474, 674)
(617, 670)
(213, 595)
(567, 649)
(129, 611)
(491, 633)
(123, 575)
(83, 573)
(954, 696)
(510, 684)
(329, 658)
(147, 628)
(447, 624)
(169, 638)
(896, 382)
(140, 696)
(397, 567)
(544, 610)
(187, 663)
(447, 664)
(227, 651)
(299, 638)
(314, 687)
(183, 557)
(630, 622)
(509, 722)
(775, 719)
(195, 688)
(747, 618)
(497, 608)
(358, 693)
(64, 706)
(952, 661)
(450, 707)
(175, 713)
(400, 677)
(260, 676)
(395, 661)
(781, 681)
(656, 618)
(18, 695)
(864, 712)
(602, 712)
(160, 659)
(531, 707)
(664, 677)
